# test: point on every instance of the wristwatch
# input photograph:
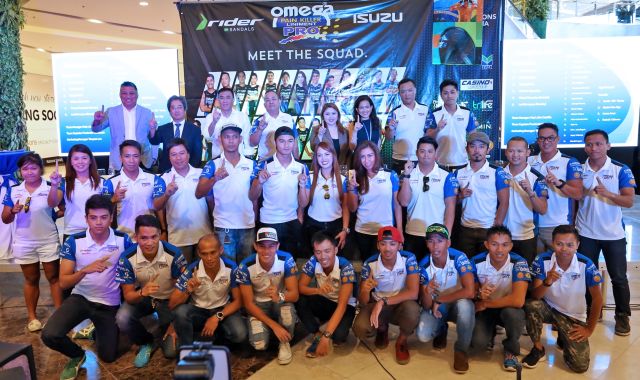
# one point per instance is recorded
(385, 301)
(561, 185)
(347, 230)
(281, 297)
(327, 334)
(220, 315)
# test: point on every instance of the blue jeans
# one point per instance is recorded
(128, 319)
(284, 314)
(238, 243)
(513, 321)
(189, 320)
(462, 312)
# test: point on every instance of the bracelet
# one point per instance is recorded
(327, 334)
(561, 185)
(544, 283)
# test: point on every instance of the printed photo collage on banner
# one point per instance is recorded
(304, 92)
(457, 32)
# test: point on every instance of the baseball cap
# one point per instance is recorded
(390, 233)
(267, 234)
(478, 136)
(230, 126)
(437, 228)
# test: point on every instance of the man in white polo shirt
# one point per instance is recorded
(389, 285)
(484, 194)
(227, 115)
(527, 198)
(147, 272)
(561, 278)
(405, 125)
(183, 217)
(209, 284)
(264, 127)
(429, 193)
(446, 279)
(88, 265)
(501, 280)
(563, 175)
(269, 288)
(279, 182)
(132, 189)
(609, 186)
(449, 125)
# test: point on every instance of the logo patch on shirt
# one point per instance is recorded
(145, 184)
(520, 275)
(577, 175)
(632, 182)
(163, 265)
(484, 176)
(596, 278)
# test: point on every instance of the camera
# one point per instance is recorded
(203, 361)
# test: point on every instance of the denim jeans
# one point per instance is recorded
(129, 315)
(238, 243)
(315, 310)
(405, 314)
(462, 312)
(289, 236)
(189, 320)
(510, 318)
(284, 314)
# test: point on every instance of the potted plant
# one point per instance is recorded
(535, 11)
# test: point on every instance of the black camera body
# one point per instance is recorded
(203, 361)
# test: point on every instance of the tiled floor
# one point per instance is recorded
(611, 356)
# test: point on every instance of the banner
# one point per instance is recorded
(320, 52)
(40, 114)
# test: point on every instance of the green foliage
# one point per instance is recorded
(13, 131)
(533, 9)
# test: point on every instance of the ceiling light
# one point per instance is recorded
(168, 32)
(143, 3)
(41, 50)
(94, 21)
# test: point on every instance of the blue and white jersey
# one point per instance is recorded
(74, 212)
(99, 287)
(560, 207)
(567, 294)
(232, 209)
(165, 268)
(515, 269)
(342, 273)
(409, 130)
(138, 199)
(238, 118)
(521, 220)
(376, 206)
(251, 273)
(6, 230)
(390, 281)
(447, 278)
(267, 144)
(599, 218)
(479, 209)
(35, 223)
(212, 292)
(427, 207)
(452, 139)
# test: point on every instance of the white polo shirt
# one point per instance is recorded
(409, 129)
(515, 269)
(99, 287)
(138, 199)
(427, 207)
(567, 294)
(521, 220)
(236, 117)
(267, 144)
(135, 269)
(479, 209)
(376, 206)
(6, 230)
(74, 212)
(280, 191)
(560, 207)
(36, 225)
(212, 292)
(390, 281)
(341, 274)
(599, 218)
(326, 210)
(187, 216)
(452, 139)
(251, 273)
(448, 278)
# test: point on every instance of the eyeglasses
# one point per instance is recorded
(547, 138)
(325, 187)
(27, 204)
(425, 184)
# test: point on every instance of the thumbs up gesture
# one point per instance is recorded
(466, 191)
(193, 284)
(172, 187)
(552, 275)
(120, 192)
(17, 207)
(221, 172)
(601, 189)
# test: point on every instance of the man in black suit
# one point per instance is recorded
(177, 128)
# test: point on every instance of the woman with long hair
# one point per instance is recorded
(372, 195)
(35, 239)
(332, 132)
(366, 125)
(327, 202)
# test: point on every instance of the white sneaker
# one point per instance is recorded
(34, 325)
(284, 354)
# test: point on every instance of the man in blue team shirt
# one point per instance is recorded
(147, 272)
(388, 291)
(210, 284)
(331, 300)
(502, 278)
(561, 278)
(446, 276)
(269, 288)
(88, 265)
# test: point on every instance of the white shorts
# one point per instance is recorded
(33, 252)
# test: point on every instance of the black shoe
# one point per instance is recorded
(622, 325)
(440, 341)
(535, 356)
(560, 343)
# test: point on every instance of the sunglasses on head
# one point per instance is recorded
(425, 184)
(325, 187)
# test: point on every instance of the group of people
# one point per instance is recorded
(443, 234)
